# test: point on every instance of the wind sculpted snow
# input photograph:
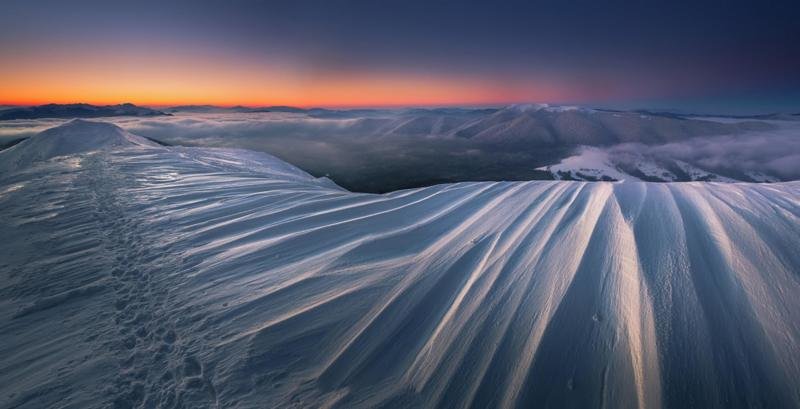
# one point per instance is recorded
(135, 275)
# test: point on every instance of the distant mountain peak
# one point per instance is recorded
(535, 107)
(77, 110)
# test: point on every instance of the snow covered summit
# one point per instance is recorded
(139, 276)
(74, 137)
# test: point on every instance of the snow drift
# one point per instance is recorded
(135, 275)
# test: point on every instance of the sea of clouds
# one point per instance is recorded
(356, 153)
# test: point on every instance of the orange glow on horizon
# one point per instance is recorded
(387, 92)
(164, 78)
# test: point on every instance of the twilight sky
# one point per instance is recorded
(718, 56)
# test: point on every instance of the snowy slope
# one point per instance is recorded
(75, 136)
(144, 276)
(589, 164)
(598, 164)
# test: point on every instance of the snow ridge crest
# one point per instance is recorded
(72, 137)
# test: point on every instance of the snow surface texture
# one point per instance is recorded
(134, 275)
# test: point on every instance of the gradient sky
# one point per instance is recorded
(726, 56)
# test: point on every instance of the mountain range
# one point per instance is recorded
(416, 147)
(70, 111)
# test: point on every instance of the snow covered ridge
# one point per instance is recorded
(147, 276)
(76, 136)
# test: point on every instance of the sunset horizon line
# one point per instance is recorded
(498, 104)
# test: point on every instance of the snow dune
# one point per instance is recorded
(135, 275)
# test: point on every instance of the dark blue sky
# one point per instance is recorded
(731, 56)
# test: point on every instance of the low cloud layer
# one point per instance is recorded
(775, 152)
(354, 152)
